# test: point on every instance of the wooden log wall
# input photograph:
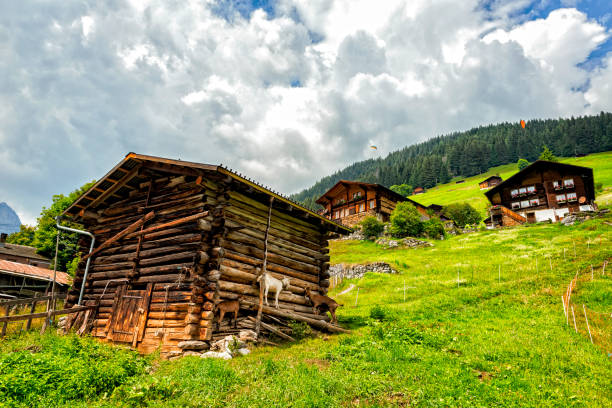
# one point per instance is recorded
(297, 249)
(169, 251)
(193, 242)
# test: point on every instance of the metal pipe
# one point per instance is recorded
(91, 247)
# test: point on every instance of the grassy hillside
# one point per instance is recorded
(499, 338)
(445, 194)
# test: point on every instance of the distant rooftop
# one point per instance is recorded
(21, 250)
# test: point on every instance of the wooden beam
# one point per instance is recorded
(120, 183)
(75, 309)
(169, 224)
(167, 168)
(134, 226)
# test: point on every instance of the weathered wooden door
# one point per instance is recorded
(129, 315)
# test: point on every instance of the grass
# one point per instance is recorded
(470, 192)
(496, 339)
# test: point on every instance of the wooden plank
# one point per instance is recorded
(145, 306)
(28, 300)
(75, 309)
(133, 227)
(169, 224)
(120, 183)
(109, 324)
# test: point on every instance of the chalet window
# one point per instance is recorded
(356, 195)
(372, 204)
(568, 183)
(361, 207)
(516, 205)
(337, 215)
(514, 193)
(340, 201)
(531, 189)
(525, 204)
(557, 184)
(351, 211)
(522, 190)
(571, 197)
(534, 202)
(561, 198)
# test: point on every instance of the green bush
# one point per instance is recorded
(64, 368)
(433, 228)
(462, 214)
(371, 227)
(522, 163)
(406, 221)
(378, 312)
(300, 330)
(402, 189)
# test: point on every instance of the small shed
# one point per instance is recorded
(490, 182)
(418, 190)
(22, 280)
(176, 238)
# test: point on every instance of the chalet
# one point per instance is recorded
(22, 280)
(540, 192)
(176, 238)
(418, 190)
(490, 182)
(22, 254)
(349, 202)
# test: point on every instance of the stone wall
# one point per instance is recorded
(354, 219)
(357, 271)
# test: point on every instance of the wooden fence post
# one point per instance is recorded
(587, 322)
(32, 310)
(8, 310)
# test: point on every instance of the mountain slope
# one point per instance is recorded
(473, 152)
(9, 220)
(469, 191)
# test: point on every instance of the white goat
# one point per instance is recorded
(270, 282)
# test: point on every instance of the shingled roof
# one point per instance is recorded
(126, 176)
(33, 272)
(21, 250)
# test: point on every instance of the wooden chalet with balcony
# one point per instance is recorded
(349, 202)
(542, 191)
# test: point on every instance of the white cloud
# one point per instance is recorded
(286, 99)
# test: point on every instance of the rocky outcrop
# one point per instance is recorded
(403, 243)
(9, 220)
(357, 271)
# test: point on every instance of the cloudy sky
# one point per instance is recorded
(285, 91)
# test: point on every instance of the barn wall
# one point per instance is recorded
(297, 249)
(167, 258)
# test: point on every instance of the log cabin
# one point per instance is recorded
(175, 238)
(543, 191)
(349, 202)
(490, 182)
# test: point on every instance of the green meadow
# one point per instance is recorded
(470, 192)
(476, 320)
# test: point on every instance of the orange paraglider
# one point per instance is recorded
(522, 123)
